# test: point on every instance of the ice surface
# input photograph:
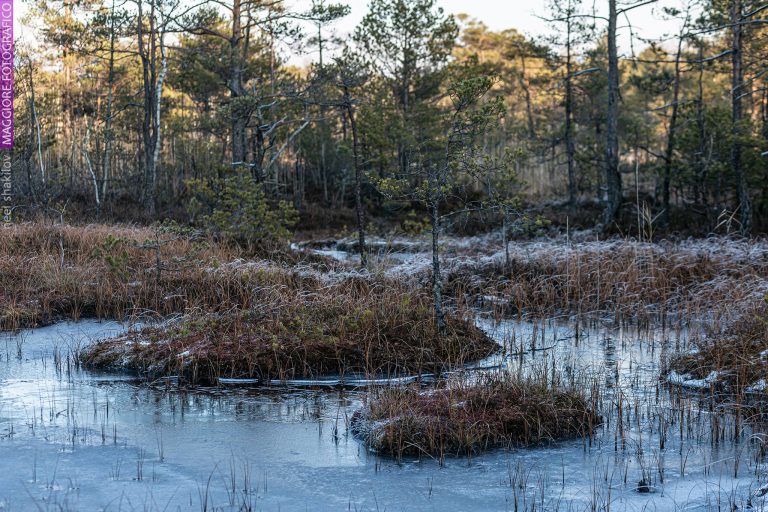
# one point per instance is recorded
(79, 440)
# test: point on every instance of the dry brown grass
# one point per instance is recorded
(52, 272)
(347, 327)
(628, 279)
(736, 351)
(496, 411)
(280, 318)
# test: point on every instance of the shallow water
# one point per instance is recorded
(77, 440)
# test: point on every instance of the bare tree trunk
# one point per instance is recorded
(237, 90)
(68, 122)
(36, 124)
(505, 240)
(672, 130)
(570, 149)
(158, 99)
(701, 167)
(108, 135)
(87, 157)
(30, 149)
(613, 193)
(737, 82)
(358, 182)
(147, 56)
(323, 131)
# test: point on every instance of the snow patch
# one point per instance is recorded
(687, 381)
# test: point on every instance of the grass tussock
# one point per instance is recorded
(496, 411)
(348, 327)
(628, 279)
(734, 356)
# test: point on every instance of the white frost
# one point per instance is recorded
(686, 381)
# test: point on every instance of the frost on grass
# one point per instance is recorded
(633, 279)
(302, 332)
(465, 418)
(731, 355)
(546, 276)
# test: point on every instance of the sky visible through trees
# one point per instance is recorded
(644, 116)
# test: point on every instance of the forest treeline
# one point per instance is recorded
(145, 109)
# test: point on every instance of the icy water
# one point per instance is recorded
(77, 440)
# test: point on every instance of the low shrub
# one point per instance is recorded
(237, 209)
